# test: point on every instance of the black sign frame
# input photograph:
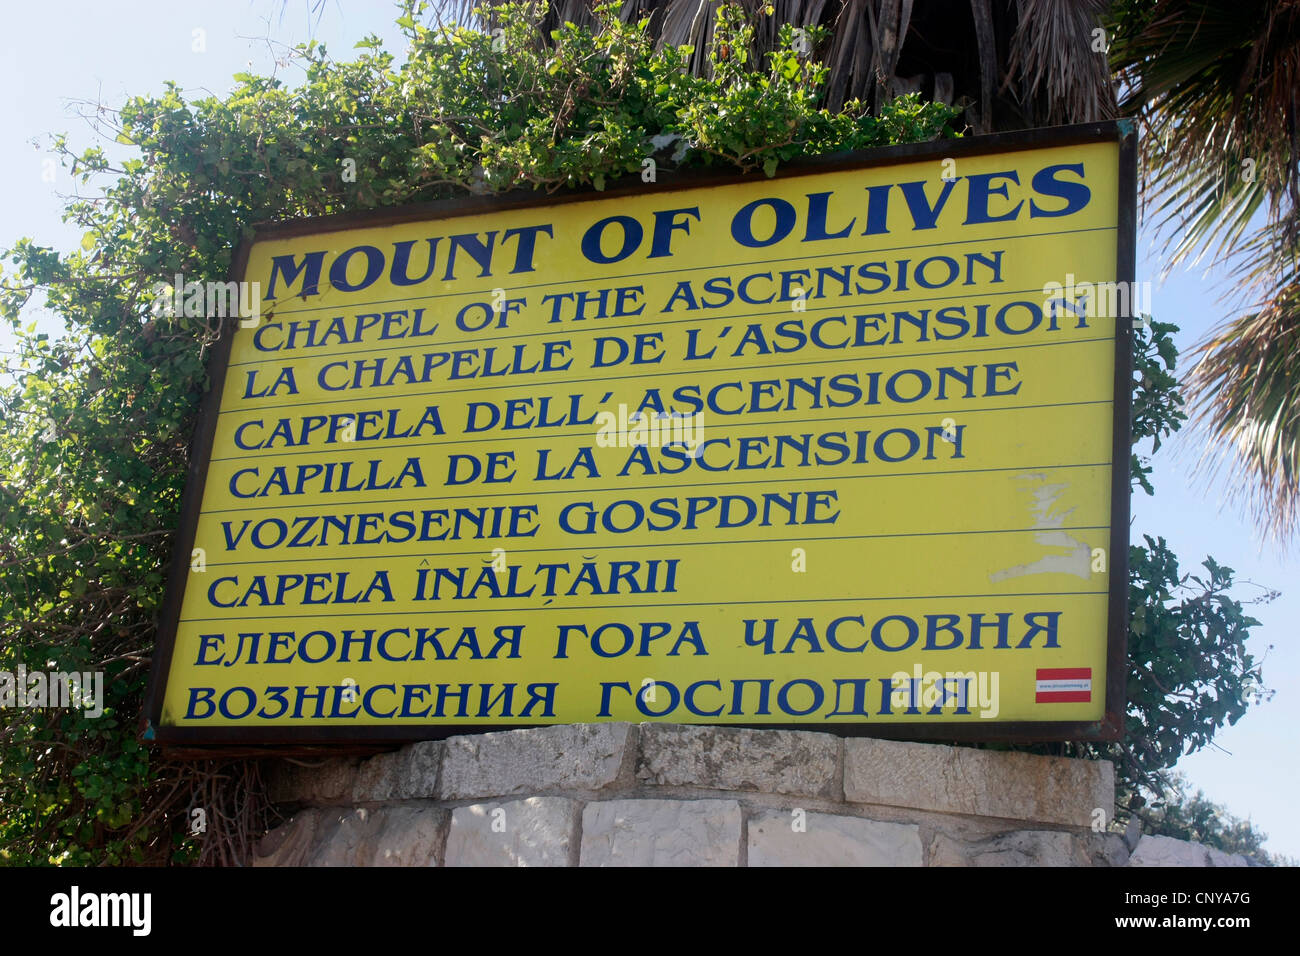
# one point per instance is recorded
(231, 741)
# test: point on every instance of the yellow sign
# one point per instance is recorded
(834, 449)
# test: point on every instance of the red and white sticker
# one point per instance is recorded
(1063, 685)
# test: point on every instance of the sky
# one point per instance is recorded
(57, 53)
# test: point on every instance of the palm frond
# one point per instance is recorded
(1246, 396)
(1053, 54)
(1217, 87)
(851, 55)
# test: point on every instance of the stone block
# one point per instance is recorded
(1167, 851)
(661, 833)
(1220, 858)
(1104, 849)
(719, 758)
(407, 836)
(537, 831)
(537, 760)
(391, 836)
(407, 774)
(1017, 848)
(290, 843)
(830, 840)
(943, 779)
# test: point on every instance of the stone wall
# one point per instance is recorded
(667, 795)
